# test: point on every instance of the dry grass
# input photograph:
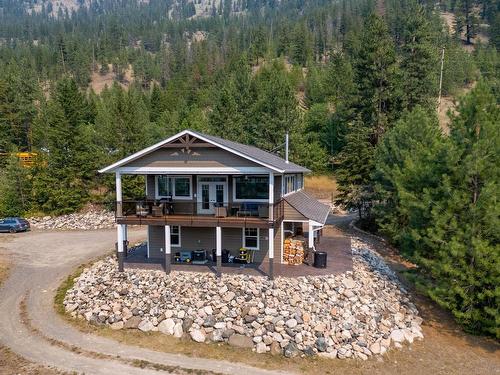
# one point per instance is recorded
(99, 81)
(449, 104)
(321, 187)
(4, 270)
(11, 363)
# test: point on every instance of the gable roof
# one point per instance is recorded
(308, 206)
(254, 154)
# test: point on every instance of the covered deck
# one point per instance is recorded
(337, 247)
(224, 214)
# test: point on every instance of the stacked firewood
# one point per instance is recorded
(293, 251)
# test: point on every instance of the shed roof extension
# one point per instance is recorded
(308, 206)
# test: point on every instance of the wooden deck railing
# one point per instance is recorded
(145, 211)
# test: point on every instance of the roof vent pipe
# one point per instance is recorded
(286, 147)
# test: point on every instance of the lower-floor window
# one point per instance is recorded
(251, 238)
(175, 236)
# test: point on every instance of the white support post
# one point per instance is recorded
(271, 196)
(218, 249)
(271, 228)
(271, 253)
(168, 248)
(118, 182)
(119, 246)
(311, 236)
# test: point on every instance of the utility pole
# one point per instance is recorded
(286, 146)
(441, 78)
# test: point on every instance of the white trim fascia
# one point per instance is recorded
(316, 223)
(243, 239)
(192, 170)
(235, 152)
(296, 221)
(142, 152)
(178, 135)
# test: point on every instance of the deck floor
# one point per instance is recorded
(339, 260)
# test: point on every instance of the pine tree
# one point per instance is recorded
(465, 266)
(377, 77)
(15, 189)
(409, 164)
(354, 166)
(419, 59)
(275, 111)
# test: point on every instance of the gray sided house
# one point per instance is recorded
(206, 193)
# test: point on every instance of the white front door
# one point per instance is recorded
(212, 191)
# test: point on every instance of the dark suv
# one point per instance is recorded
(14, 224)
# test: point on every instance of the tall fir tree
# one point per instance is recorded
(409, 165)
(354, 166)
(465, 266)
(377, 77)
(275, 111)
(418, 59)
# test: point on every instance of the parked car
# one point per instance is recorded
(14, 224)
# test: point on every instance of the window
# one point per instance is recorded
(251, 188)
(175, 236)
(300, 181)
(289, 185)
(178, 187)
(182, 187)
(251, 238)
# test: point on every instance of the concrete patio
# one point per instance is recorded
(339, 260)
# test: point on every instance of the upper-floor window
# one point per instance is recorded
(300, 181)
(289, 185)
(251, 188)
(177, 187)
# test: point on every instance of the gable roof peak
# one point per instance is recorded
(251, 153)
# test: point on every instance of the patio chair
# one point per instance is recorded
(263, 211)
(157, 209)
(141, 210)
(220, 211)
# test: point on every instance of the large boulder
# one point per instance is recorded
(240, 341)
(167, 326)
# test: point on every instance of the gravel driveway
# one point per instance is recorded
(40, 261)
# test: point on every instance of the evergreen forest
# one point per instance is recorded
(355, 83)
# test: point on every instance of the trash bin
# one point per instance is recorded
(320, 259)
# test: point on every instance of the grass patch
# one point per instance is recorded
(66, 285)
(321, 186)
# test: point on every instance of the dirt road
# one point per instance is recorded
(39, 263)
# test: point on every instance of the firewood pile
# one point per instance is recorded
(293, 251)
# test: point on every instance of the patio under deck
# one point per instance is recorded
(337, 247)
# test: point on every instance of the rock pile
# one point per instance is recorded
(92, 219)
(353, 315)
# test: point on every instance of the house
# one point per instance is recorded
(206, 193)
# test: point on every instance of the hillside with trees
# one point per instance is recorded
(355, 84)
